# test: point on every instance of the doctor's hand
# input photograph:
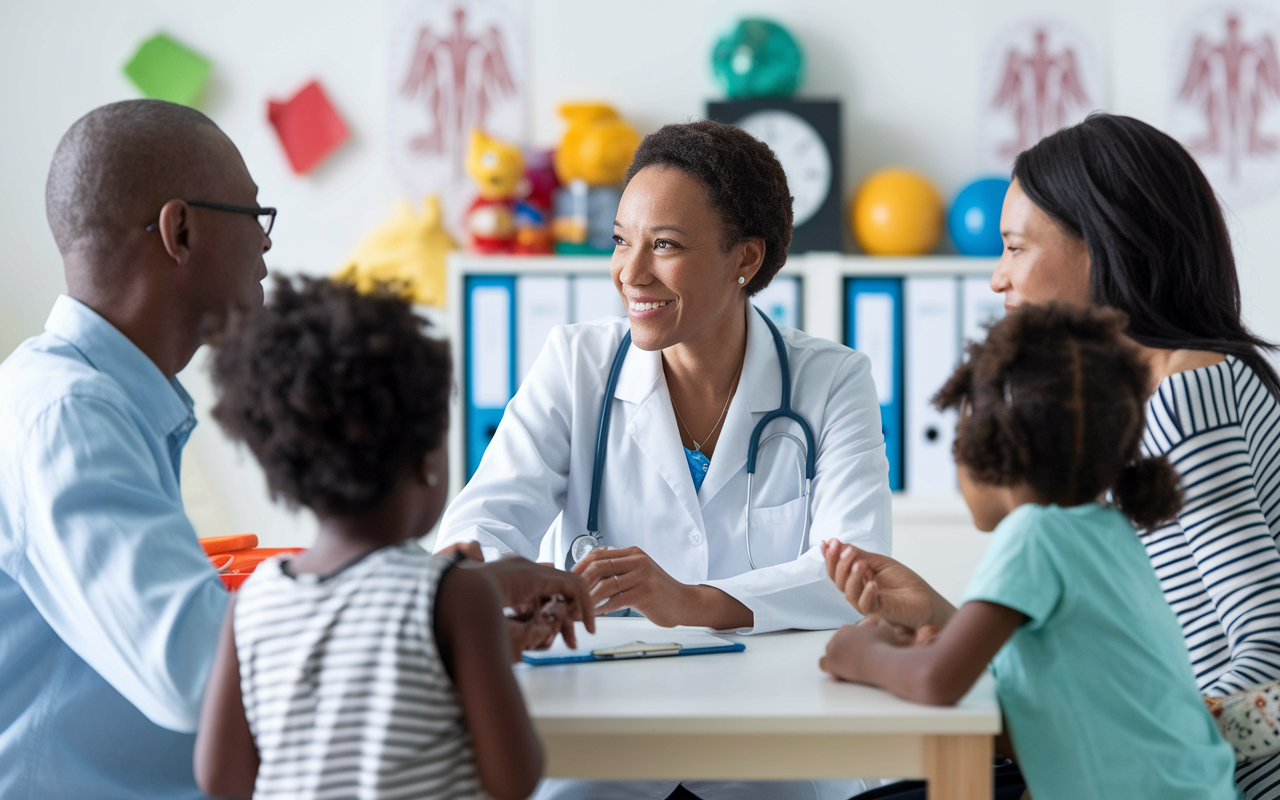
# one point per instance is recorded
(533, 590)
(627, 577)
(878, 586)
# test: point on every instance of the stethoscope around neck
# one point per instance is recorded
(593, 538)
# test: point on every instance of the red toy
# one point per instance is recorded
(308, 126)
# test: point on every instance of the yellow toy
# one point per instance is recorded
(497, 168)
(592, 158)
(597, 146)
(897, 212)
(409, 249)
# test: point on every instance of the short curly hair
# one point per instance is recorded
(335, 392)
(1056, 397)
(743, 178)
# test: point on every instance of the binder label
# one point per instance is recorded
(873, 333)
(491, 338)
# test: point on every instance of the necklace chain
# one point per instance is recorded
(697, 446)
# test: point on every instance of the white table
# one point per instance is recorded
(766, 714)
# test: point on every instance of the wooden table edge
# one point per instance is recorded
(957, 766)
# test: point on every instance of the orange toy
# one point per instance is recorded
(897, 212)
(225, 544)
(234, 565)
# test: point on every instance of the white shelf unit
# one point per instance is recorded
(822, 280)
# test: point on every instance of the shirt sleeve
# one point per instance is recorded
(850, 501)
(1234, 552)
(111, 562)
(1018, 570)
(520, 486)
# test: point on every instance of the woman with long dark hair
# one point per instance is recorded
(1112, 212)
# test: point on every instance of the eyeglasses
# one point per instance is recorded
(266, 216)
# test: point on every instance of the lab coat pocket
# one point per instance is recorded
(776, 532)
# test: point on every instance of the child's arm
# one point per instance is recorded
(939, 672)
(226, 759)
(472, 637)
(878, 586)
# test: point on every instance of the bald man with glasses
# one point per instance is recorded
(110, 609)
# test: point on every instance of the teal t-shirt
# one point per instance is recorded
(1096, 685)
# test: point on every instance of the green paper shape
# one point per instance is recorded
(165, 70)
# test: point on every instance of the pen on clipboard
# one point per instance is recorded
(637, 650)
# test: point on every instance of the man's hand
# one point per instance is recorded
(878, 586)
(530, 588)
(536, 629)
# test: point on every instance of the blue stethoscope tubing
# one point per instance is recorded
(592, 539)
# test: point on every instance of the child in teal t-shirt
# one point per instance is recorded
(1089, 661)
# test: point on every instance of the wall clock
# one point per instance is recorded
(805, 136)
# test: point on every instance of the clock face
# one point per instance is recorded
(803, 156)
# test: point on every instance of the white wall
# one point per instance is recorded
(906, 70)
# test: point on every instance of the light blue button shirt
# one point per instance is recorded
(109, 610)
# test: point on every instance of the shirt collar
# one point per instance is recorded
(162, 401)
(761, 375)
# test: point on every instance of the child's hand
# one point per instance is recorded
(878, 586)
(848, 649)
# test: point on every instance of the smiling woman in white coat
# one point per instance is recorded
(703, 224)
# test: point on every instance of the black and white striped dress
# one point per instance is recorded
(1219, 564)
(343, 686)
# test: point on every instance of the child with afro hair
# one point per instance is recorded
(1089, 661)
(364, 666)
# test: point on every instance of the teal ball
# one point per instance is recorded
(758, 58)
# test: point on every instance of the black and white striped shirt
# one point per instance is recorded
(343, 686)
(1219, 564)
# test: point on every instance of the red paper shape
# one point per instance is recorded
(308, 126)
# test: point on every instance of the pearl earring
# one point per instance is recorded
(741, 280)
(433, 479)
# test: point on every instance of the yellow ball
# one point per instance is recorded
(897, 212)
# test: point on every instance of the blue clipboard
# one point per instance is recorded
(623, 640)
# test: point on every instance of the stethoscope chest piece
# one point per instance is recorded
(582, 545)
(593, 539)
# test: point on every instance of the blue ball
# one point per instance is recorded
(974, 221)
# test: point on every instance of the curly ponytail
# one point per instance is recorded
(1148, 492)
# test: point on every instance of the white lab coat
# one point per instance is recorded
(539, 466)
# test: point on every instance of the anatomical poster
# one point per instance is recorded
(1226, 98)
(456, 65)
(1039, 75)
